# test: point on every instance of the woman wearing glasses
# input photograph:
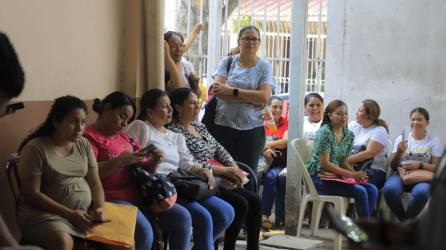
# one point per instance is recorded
(242, 90)
(179, 73)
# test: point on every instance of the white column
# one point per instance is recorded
(155, 43)
(214, 35)
(296, 111)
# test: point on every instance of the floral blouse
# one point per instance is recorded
(325, 142)
(204, 149)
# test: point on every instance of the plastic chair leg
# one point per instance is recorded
(302, 209)
(316, 216)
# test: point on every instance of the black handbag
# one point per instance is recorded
(365, 164)
(158, 193)
(190, 186)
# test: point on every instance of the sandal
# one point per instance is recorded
(266, 224)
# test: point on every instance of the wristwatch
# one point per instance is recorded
(235, 92)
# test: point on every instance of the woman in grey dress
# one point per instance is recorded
(62, 195)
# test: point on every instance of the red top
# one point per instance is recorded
(119, 184)
(282, 127)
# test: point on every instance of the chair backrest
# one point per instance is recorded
(253, 183)
(13, 176)
(389, 148)
(303, 149)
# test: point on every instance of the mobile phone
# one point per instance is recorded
(403, 132)
(97, 222)
(149, 150)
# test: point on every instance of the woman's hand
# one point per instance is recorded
(270, 154)
(208, 175)
(359, 176)
(127, 158)
(80, 220)
(412, 165)
(222, 89)
(402, 147)
(234, 174)
(96, 214)
(157, 157)
(167, 57)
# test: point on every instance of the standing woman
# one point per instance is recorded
(370, 132)
(242, 92)
(115, 153)
(211, 216)
(417, 150)
(60, 186)
(332, 146)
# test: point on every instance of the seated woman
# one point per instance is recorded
(371, 133)
(274, 153)
(114, 152)
(314, 108)
(179, 72)
(211, 216)
(205, 148)
(60, 186)
(416, 150)
(332, 146)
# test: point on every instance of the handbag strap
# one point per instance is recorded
(133, 143)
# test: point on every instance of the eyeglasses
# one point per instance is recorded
(250, 39)
(176, 46)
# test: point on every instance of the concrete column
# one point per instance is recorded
(154, 16)
(296, 111)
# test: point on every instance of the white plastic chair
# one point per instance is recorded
(303, 148)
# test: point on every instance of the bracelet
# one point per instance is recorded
(421, 165)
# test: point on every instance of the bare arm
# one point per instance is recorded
(6, 238)
(176, 79)
(97, 192)
(324, 160)
(124, 159)
(257, 97)
(395, 159)
(373, 148)
(192, 35)
(278, 144)
(433, 165)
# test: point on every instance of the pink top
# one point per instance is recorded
(119, 184)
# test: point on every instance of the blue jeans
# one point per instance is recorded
(365, 195)
(209, 219)
(177, 223)
(143, 230)
(394, 188)
(269, 189)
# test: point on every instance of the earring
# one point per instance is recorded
(179, 115)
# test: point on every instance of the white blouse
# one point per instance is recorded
(173, 146)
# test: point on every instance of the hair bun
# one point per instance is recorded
(97, 105)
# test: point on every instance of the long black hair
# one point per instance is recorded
(148, 101)
(116, 100)
(178, 96)
(12, 77)
(61, 108)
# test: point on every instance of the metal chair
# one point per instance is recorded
(253, 183)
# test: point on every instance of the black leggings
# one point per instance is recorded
(247, 212)
(243, 145)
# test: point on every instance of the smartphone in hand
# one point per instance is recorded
(149, 150)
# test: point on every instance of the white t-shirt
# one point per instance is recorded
(173, 146)
(420, 150)
(364, 135)
(310, 128)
